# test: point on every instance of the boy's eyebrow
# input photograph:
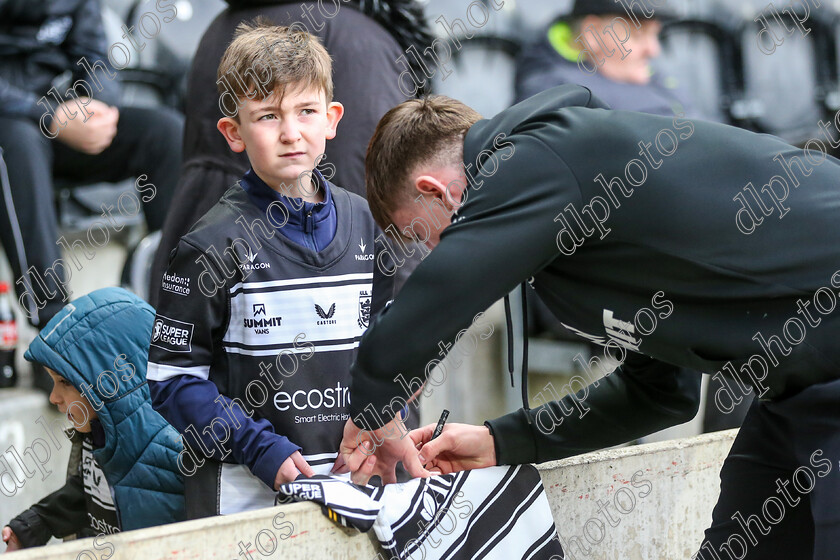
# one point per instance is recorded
(265, 108)
(277, 107)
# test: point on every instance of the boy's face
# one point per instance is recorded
(71, 402)
(283, 139)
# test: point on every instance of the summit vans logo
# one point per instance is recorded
(251, 264)
(364, 256)
(260, 326)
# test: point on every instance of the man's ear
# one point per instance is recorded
(230, 130)
(431, 186)
(335, 111)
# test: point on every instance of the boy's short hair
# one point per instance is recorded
(265, 59)
(426, 130)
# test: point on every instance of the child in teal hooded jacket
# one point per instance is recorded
(127, 476)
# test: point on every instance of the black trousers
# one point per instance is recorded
(780, 484)
(148, 142)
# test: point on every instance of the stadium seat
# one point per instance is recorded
(482, 76)
(783, 77)
(708, 79)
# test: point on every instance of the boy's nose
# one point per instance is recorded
(290, 132)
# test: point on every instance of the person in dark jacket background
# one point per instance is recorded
(366, 74)
(619, 73)
(638, 234)
(125, 475)
(46, 133)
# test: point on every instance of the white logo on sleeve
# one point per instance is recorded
(176, 284)
(621, 332)
(172, 335)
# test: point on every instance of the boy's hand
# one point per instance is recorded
(11, 540)
(91, 137)
(388, 444)
(460, 447)
(291, 468)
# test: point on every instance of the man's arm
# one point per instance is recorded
(86, 43)
(16, 102)
(642, 396)
(181, 353)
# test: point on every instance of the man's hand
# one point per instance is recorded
(11, 540)
(460, 447)
(91, 137)
(385, 447)
(292, 467)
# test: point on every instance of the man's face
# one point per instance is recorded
(283, 139)
(644, 44)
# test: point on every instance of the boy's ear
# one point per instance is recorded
(335, 111)
(230, 130)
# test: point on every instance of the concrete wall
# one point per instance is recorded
(667, 491)
(20, 410)
(650, 502)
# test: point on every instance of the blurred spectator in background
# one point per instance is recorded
(48, 44)
(627, 83)
(364, 39)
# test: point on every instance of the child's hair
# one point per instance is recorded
(418, 131)
(264, 59)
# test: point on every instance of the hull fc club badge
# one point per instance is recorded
(364, 309)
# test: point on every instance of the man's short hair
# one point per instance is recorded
(429, 130)
(264, 59)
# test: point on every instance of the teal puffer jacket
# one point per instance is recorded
(102, 340)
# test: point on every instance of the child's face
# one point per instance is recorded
(284, 139)
(71, 402)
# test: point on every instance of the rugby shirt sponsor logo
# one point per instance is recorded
(332, 311)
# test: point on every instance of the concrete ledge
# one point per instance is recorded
(673, 485)
(308, 534)
(649, 501)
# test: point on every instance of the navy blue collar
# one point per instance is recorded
(262, 195)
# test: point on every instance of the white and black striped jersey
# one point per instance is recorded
(498, 513)
(273, 325)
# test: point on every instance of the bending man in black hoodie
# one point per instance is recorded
(658, 238)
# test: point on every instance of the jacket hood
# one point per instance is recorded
(99, 341)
